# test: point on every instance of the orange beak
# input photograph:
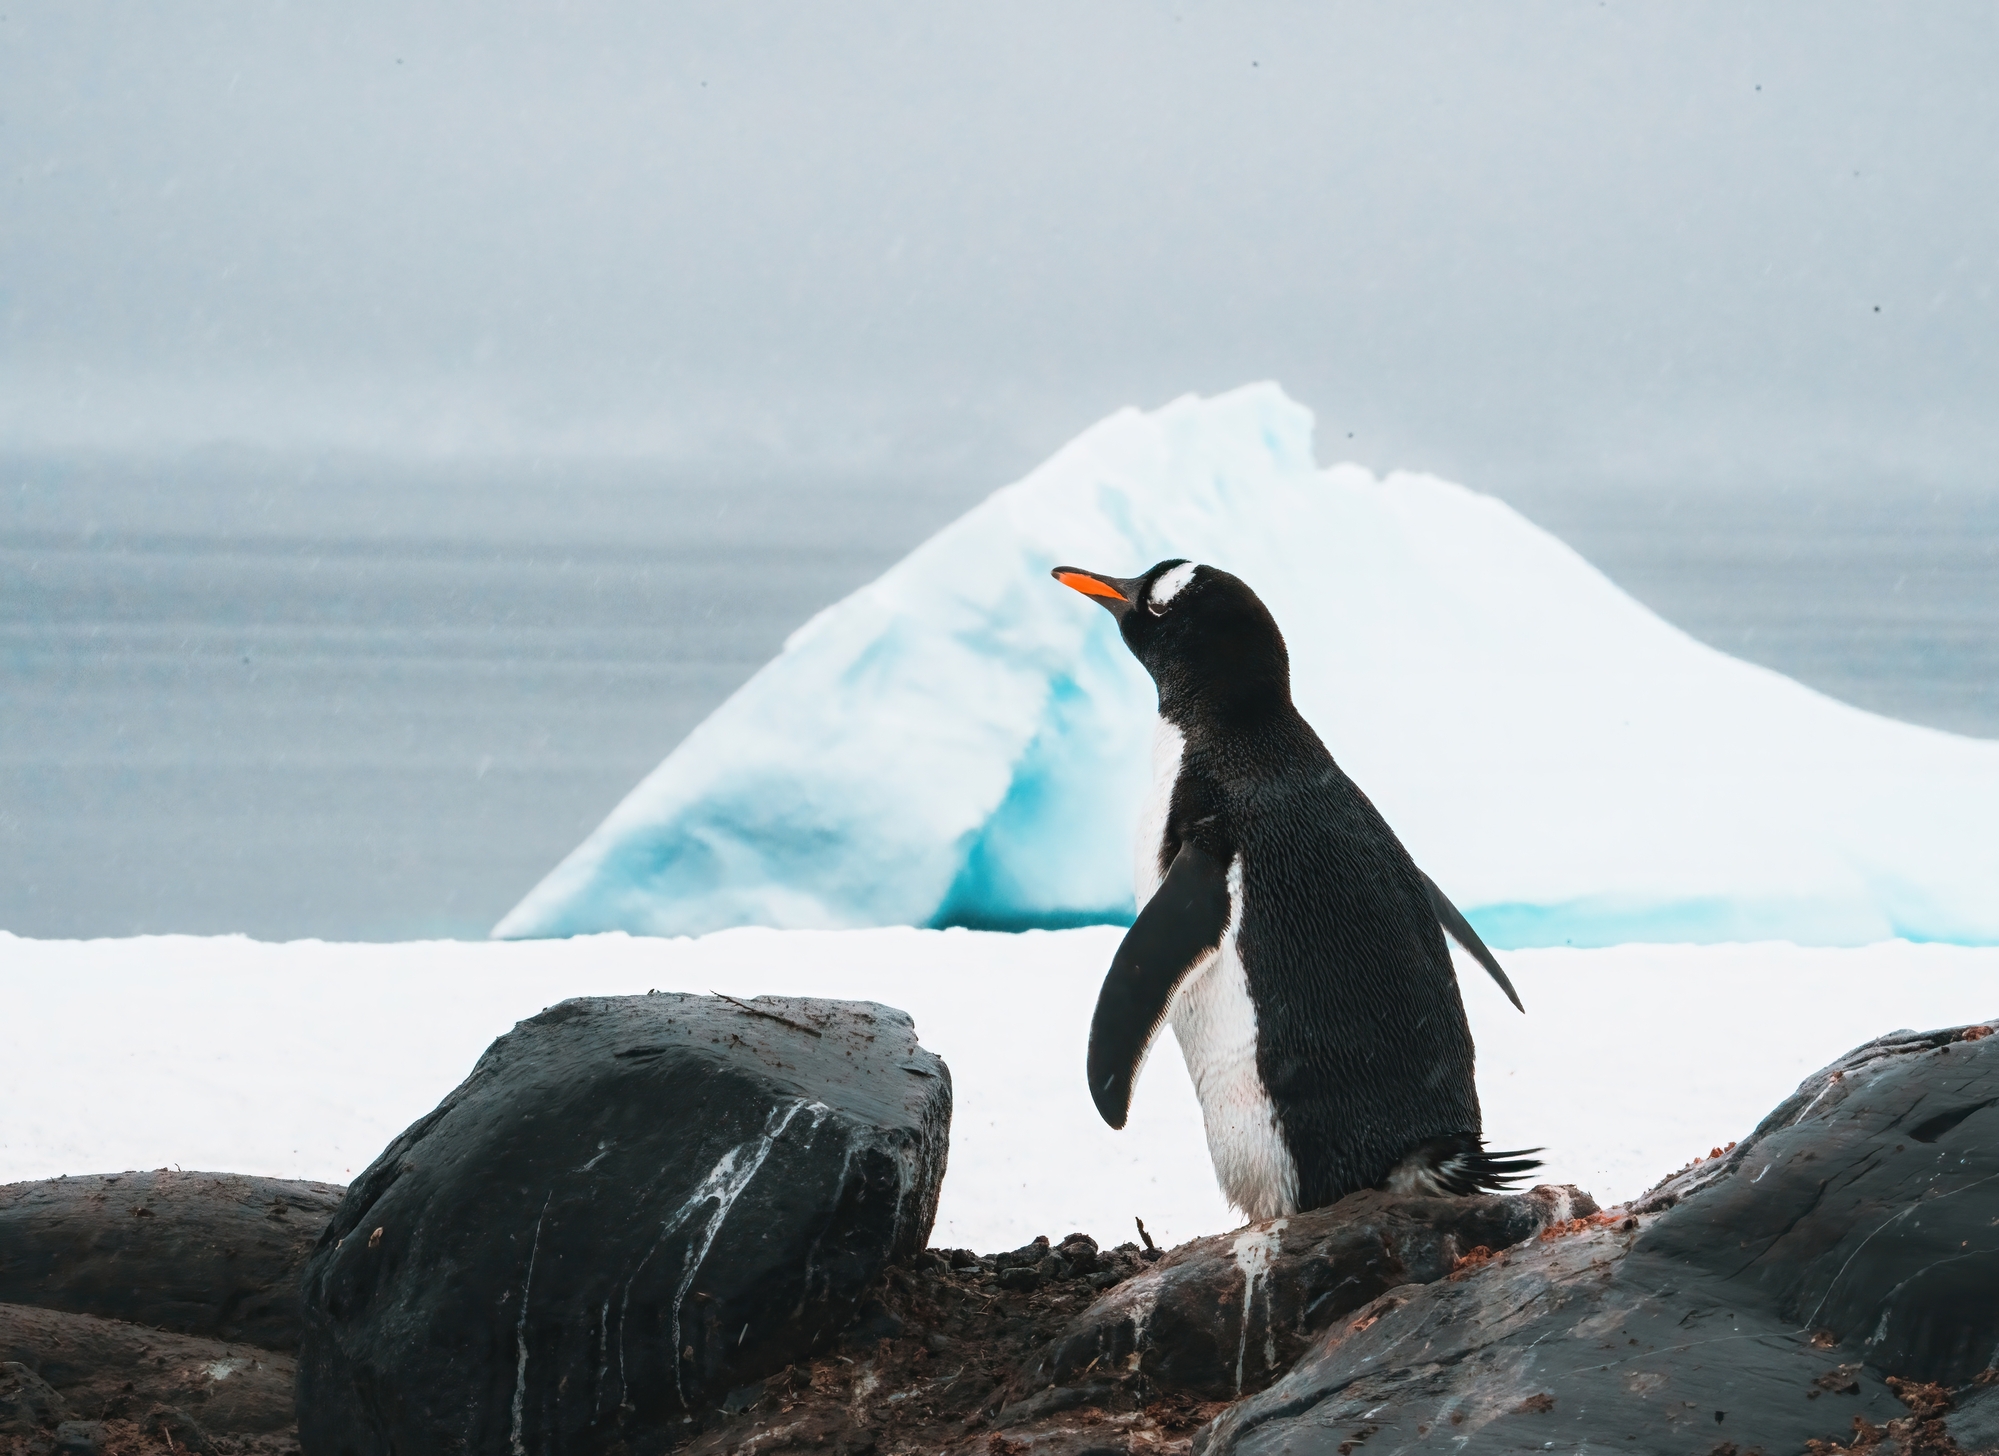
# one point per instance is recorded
(1089, 586)
(1115, 594)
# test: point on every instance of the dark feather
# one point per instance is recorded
(1181, 924)
(1460, 1165)
(1459, 929)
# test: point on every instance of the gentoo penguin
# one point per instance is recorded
(1283, 930)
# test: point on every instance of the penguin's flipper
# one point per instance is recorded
(1459, 929)
(1180, 926)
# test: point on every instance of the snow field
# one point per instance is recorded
(303, 1060)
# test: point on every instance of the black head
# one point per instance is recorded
(1205, 637)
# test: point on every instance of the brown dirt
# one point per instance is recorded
(1920, 1433)
(157, 1437)
(926, 1369)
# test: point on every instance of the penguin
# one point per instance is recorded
(1283, 930)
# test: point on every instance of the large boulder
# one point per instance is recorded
(211, 1254)
(632, 1205)
(1835, 1278)
(1224, 1316)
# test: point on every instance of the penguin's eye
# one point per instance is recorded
(1169, 586)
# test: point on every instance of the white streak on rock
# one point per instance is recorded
(1813, 1103)
(723, 1186)
(1142, 1302)
(604, 1362)
(839, 1192)
(521, 1336)
(1254, 1248)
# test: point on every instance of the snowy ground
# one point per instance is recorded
(302, 1060)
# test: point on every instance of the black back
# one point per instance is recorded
(1362, 1037)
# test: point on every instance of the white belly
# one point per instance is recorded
(1214, 1021)
(1167, 746)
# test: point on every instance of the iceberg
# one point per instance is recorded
(963, 742)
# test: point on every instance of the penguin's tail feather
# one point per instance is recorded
(1458, 1165)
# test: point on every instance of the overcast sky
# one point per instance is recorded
(1595, 240)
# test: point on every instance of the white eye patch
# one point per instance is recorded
(1169, 586)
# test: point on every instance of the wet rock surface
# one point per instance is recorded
(1072, 1350)
(632, 1207)
(1834, 1279)
(214, 1254)
(1224, 1316)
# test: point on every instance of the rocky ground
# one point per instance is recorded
(938, 1360)
(929, 1365)
(153, 1312)
(1828, 1287)
(144, 1438)
(1030, 1350)
(920, 1370)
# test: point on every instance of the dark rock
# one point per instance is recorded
(108, 1369)
(1019, 1279)
(1051, 1400)
(215, 1254)
(1974, 1423)
(28, 1403)
(81, 1438)
(1868, 1217)
(1079, 1253)
(632, 1206)
(1226, 1315)
(1757, 1300)
(875, 1321)
(1027, 1256)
